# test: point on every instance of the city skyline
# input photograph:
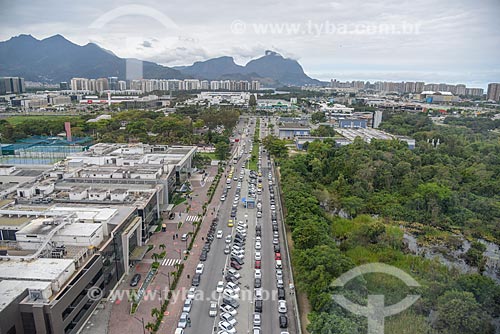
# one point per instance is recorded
(450, 42)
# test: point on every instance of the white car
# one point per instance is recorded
(220, 286)
(258, 273)
(233, 286)
(257, 238)
(258, 256)
(234, 273)
(212, 311)
(258, 246)
(223, 198)
(219, 234)
(282, 306)
(228, 318)
(191, 293)
(199, 268)
(228, 239)
(226, 326)
(183, 320)
(279, 274)
(258, 293)
(231, 293)
(187, 305)
(228, 309)
(256, 319)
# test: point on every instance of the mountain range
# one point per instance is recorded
(55, 59)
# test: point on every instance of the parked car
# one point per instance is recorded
(135, 280)
(283, 320)
(212, 311)
(196, 280)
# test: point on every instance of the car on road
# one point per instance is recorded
(203, 256)
(220, 286)
(226, 326)
(225, 308)
(187, 305)
(259, 214)
(277, 256)
(281, 293)
(230, 301)
(257, 283)
(238, 260)
(279, 274)
(258, 245)
(135, 280)
(228, 318)
(228, 239)
(223, 198)
(258, 256)
(212, 311)
(227, 249)
(199, 268)
(276, 241)
(235, 265)
(234, 273)
(191, 294)
(282, 306)
(283, 320)
(233, 286)
(258, 306)
(256, 319)
(258, 293)
(256, 330)
(279, 283)
(196, 280)
(219, 234)
(230, 223)
(230, 278)
(183, 320)
(258, 273)
(277, 248)
(257, 264)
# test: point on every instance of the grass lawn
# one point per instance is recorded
(15, 120)
(212, 155)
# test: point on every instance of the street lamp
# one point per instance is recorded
(142, 322)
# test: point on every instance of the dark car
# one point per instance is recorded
(258, 227)
(257, 283)
(235, 265)
(258, 233)
(233, 214)
(281, 293)
(258, 305)
(283, 321)
(196, 280)
(171, 216)
(237, 260)
(135, 280)
(203, 256)
(277, 248)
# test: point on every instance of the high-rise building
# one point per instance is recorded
(474, 92)
(80, 84)
(113, 83)
(494, 92)
(122, 85)
(63, 85)
(460, 89)
(101, 85)
(12, 85)
(255, 85)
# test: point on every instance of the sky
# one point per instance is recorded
(452, 41)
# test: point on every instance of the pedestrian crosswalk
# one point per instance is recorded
(170, 262)
(210, 179)
(191, 218)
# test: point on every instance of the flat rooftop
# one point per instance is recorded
(41, 269)
(10, 290)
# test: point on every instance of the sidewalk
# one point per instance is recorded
(121, 321)
(174, 310)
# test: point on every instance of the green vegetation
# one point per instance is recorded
(187, 126)
(255, 148)
(452, 187)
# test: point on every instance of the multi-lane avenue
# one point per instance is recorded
(245, 278)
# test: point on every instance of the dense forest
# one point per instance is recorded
(450, 187)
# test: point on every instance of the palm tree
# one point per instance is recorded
(150, 327)
(155, 313)
(162, 246)
(155, 256)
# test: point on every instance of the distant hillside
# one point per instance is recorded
(56, 59)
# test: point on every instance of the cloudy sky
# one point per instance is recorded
(453, 41)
